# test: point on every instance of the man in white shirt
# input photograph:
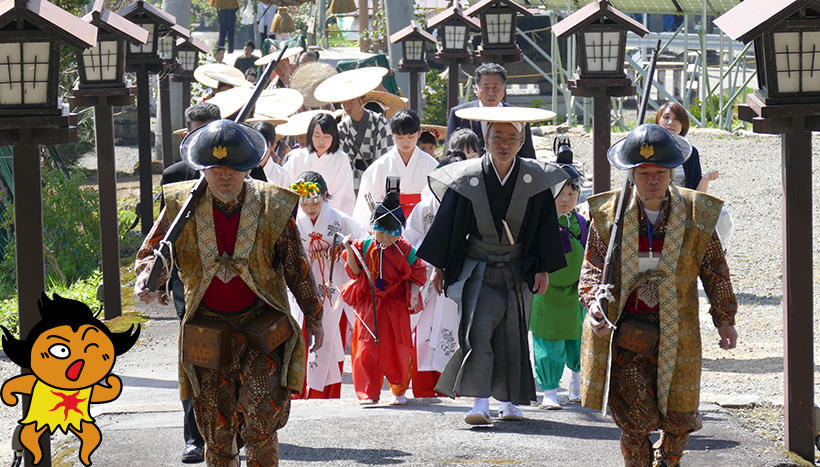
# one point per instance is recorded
(404, 160)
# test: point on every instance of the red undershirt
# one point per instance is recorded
(234, 295)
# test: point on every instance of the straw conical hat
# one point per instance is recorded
(349, 84)
(231, 101)
(297, 125)
(273, 55)
(199, 73)
(279, 102)
(307, 77)
(391, 103)
(264, 118)
(505, 114)
(228, 78)
(440, 132)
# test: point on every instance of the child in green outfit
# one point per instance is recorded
(557, 314)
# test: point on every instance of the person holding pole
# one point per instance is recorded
(661, 239)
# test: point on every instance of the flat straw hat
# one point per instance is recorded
(391, 103)
(350, 84)
(199, 73)
(297, 125)
(307, 77)
(228, 78)
(231, 100)
(279, 102)
(272, 56)
(264, 118)
(505, 114)
(440, 132)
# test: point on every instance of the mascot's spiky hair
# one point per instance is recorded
(59, 311)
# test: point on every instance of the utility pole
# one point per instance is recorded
(398, 13)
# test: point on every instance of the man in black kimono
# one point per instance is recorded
(493, 243)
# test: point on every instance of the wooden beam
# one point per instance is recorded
(798, 336)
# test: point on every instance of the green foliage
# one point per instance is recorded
(378, 27)
(435, 99)
(84, 290)
(70, 231)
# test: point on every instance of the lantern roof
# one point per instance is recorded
(453, 12)
(103, 18)
(180, 31)
(480, 6)
(193, 43)
(408, 31)
(594, 11)
(58, 23)
(143, 7)
(751, 18)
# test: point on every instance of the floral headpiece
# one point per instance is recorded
(310, 190)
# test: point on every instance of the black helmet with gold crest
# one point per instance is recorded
(223, 143)
(649, 144)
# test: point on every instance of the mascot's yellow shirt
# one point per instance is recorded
(58, 408)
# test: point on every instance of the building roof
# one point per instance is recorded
(102, 17)
(412, 28)
(593, 12)
(59, 23)
(751, 18)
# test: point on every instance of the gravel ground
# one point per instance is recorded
(750, 184)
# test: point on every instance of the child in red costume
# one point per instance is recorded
(382, 344)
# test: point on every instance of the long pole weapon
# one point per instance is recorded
(163, 255)
(613, 251)
(372, 295)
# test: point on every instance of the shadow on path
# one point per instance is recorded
(362, 456)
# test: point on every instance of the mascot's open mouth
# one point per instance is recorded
(73, 371)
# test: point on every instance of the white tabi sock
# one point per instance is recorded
(506, 405)
(482, 403)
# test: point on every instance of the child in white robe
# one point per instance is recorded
(321, 227)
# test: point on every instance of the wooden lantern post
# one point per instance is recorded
(453, 38)
(143, 59)
(600, 31)
(188, 50)
(102, 85)
(168, 51)
(413, 39)
(498, 19)
(787, 102)
(31, 114)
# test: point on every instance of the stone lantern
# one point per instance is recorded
(144, 59)
(600, 31)
(498, 19)
(453, 28)
(413, 41)
(786, 37)
(102, 85)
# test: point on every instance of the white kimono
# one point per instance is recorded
(436, 325)
(334, 167)
(323, 365)
(276, 174)
(413, 180)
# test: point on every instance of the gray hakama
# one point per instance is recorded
(493, 296)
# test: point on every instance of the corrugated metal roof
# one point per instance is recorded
(693, 7)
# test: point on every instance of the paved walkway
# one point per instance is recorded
(144, 426)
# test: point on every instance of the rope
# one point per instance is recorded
(167, 264)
